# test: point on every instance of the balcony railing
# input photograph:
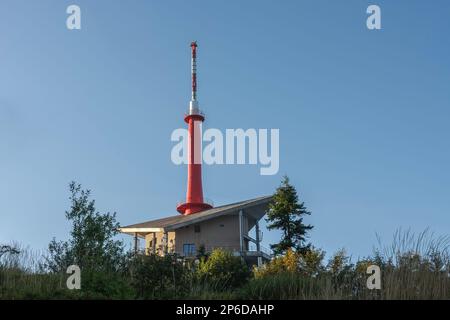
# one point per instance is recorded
(252, 247)
(236, 250)
(196, 111)
(233, 249)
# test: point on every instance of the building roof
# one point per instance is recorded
(178, 221)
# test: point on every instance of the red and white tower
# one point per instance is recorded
(194, 195)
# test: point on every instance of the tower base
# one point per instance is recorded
(191, 207)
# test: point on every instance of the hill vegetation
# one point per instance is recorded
(412, 266)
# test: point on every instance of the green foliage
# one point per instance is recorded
(21, 276)
(412, 267)
(201, 252)
(92, 245)
(157, 277)
(405, 275)
(93, 248)
(222, 270)
(105, 285)
(286, 285)
(286, 214)
(339, 262)
(308, 263)
(311, 261)
(288, 263)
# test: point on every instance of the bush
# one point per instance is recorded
(288, 263)
(104, 285)
(222, 270)
(308, 262)
(156, 277)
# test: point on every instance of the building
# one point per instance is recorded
(199, 225)
(227, 227)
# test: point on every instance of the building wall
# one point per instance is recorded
(159, 242)
(221, 232)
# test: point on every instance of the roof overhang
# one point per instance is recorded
(134, 230)
(254, 209)
(261, 206)
(140, 232)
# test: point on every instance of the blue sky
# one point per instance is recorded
(363, 115)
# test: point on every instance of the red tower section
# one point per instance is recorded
(194, 195)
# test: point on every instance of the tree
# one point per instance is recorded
(286, 214)
(92, 246)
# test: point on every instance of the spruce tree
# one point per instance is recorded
(286, 213)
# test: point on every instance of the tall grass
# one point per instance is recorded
(413, 266)
(22, 276)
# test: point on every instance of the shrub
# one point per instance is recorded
(157, 277)
(222, 270)
(104, 285)
(288, 263)
(311, 261)
(308, 262)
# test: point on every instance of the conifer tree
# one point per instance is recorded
(286, 213)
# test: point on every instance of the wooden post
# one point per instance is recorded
(135, 243)
(241, 231)
(166, 242)
(258, 247)
(154, 243)
(258, 243)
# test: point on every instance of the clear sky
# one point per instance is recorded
(363, 115)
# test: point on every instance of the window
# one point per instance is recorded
(197, 228)
(188, 249)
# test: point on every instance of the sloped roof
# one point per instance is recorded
(178, 221)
